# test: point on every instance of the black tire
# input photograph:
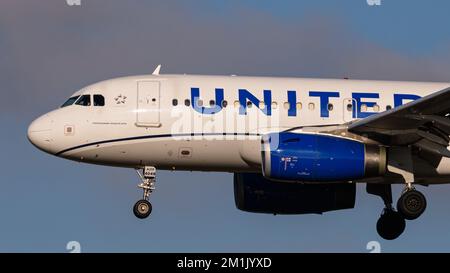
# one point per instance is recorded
(412, 204)
(142, 209)
(391, 225)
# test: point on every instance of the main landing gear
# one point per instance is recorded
(411, 203)
(143, 208)
(410, 206)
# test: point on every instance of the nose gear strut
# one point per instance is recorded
(143, 208)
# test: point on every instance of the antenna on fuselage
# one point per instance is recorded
(156, 72)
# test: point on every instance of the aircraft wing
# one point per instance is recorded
(424, 123)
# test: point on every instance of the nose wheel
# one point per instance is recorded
(143, 208)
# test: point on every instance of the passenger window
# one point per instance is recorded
(376, 108)
(363, 107)
(286, 105)
(388, 108)
(299, 106)
(70, 101)
(212, 103)
(99, 100)
(349, 107)
(237, 104)
(330, 107)
(224, 104)
(274, 105)
(187, 102)
(84, 100)
(174, 102)
(249, 104)
(311, 106)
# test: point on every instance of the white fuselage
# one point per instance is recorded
(161, 120)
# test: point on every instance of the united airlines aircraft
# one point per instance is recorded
(294, 145)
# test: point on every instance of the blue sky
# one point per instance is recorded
(49, 50)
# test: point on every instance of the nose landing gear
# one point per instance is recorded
(143, 208)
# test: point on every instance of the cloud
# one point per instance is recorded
(49, 50)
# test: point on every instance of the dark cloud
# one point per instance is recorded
(50, 49)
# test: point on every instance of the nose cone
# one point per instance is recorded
(40, 133)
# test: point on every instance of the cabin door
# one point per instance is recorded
(148, 106)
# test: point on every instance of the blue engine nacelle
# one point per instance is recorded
(254, 193)
(320, 158)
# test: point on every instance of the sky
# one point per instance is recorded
(49, 49)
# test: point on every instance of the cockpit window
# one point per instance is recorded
(99, 100)
(84, 100)
(70, 101)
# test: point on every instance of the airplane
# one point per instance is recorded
(294, 145)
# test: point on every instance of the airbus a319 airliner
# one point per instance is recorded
(295, 145)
